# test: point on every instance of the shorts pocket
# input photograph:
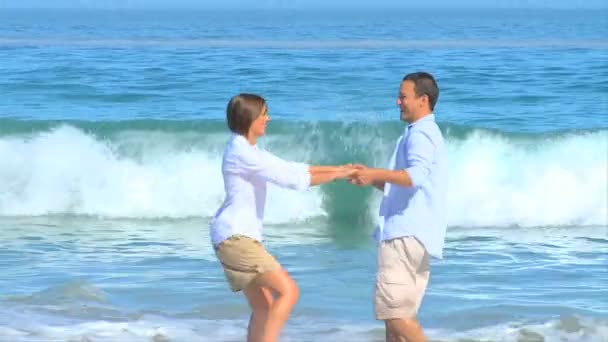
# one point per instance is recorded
(391, 275)
(394, 291)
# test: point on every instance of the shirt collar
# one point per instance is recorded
(242, 140)
(428, 117)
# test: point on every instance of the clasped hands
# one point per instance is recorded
(357, 174)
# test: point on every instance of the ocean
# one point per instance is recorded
(112, 127)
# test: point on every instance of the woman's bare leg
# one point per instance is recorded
(287, 293)
(260, 300)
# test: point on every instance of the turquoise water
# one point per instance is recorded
(111, 134)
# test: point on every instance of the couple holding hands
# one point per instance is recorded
(411, 224)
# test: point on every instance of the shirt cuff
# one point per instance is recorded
(305, 178)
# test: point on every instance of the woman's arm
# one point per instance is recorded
(285, 173)
(325, 174)
(324, 168)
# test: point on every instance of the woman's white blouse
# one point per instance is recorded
(246, 170)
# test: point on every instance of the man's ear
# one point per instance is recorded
(425, 100)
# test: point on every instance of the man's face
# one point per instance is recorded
(409, 105)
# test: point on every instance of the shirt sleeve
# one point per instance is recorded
(273, 169)
(420, 152)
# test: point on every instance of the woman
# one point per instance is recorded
(236, 230)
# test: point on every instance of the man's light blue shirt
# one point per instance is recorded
(419, 210)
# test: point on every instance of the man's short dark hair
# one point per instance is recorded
(242, 110)
(424, 84)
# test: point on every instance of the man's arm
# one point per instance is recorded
(420, 151)
(378, 185)
(378, 177)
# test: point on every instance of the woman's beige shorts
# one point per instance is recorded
(243, 258)
(403, 273)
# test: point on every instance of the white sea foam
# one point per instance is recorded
(494, 180)
(15, 327)
(67, 171)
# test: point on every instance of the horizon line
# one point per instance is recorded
(305, 44)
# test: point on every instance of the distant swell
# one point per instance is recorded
(151, 169)
(302, 44)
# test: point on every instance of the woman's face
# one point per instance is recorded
(258, 126)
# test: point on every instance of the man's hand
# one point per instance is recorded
(363, 176)
(346, 172)
(358, 166)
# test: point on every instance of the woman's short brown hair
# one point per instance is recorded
(242, 110)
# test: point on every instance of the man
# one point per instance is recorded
(412, 222)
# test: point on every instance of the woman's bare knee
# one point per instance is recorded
(290, 291)
(281, 283)
(259, 298)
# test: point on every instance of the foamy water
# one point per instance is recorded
(494, 180)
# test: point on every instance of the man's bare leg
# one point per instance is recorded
(403, 330)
